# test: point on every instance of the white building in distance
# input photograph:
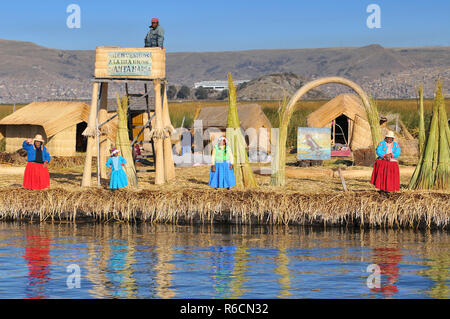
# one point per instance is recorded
(217, 85)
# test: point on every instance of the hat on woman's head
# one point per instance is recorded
(390, 134)
(38, 138)
(113, 151)
(222, 138)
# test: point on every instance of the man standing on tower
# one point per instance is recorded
(155, 37)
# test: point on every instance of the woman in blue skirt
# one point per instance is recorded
(118, 175)
(221, 174)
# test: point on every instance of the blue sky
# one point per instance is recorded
(228, 25)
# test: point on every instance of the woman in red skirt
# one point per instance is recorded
(386, 174)
(36, 175)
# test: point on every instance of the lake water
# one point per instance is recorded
(118, 260)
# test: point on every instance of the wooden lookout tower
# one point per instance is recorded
(144, 66)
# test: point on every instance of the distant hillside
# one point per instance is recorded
(30, 72)
(28, 60)
(274, 87)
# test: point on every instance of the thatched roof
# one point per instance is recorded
(348, 104)
(250, 115)
(53, 116)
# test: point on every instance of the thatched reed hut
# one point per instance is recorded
(346, 117)
(61, 123)
(252, 120)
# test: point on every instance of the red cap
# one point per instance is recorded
(155, 20)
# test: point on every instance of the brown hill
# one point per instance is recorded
(29, 72)
(274, 87)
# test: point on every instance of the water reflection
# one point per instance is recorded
(164, 269)
(438, 263)
(167, 261)
(239, 270)
(37, 257)
(388, 259)
(282, 262)
(223, 265)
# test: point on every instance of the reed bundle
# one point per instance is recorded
(169, 167)
(242, 170)
(421, 121)
(442, 175)
(399, 210)
(374, 121)
(19, 158)
(13, 158)
(278, 177)
(433, 170)
(123, 140)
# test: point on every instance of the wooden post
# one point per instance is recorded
(105, 143)
(97, 147)
(158, 135)
(169, 167)
(147, 144)
(334, 132)
(342, 179)
(90, 133)
(350, 131)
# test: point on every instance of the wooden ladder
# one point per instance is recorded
(142, 127)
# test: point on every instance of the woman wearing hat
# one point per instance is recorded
(118, 175)
(386, 174)
(221, 174)
(36, 175)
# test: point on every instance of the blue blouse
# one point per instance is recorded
(382, 149)
(31, 152)
(115, 162)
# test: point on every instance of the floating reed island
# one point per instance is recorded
(406, 209)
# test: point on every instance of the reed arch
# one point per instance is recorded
(278, 170)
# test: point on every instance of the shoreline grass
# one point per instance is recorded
(417, 210)
(307, 201)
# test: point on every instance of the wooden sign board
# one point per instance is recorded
(135, 63)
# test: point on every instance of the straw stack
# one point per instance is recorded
(123, 140)
(278, 177)
(421, 121)
(169, 167)
(242, 170)
(433, 170)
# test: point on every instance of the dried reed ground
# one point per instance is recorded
(303, 200)
(190, 199)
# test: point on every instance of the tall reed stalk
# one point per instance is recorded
(242, 170)
(421, 121)
(169, 167)
(432, 171)
(123, 140)
(442, 174)
(278, 177)
(374, 121)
